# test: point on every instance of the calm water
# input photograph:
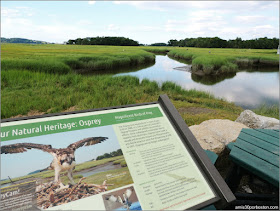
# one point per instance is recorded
(96, 170)
(248, 89)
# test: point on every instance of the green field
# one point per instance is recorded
(38, 79)
(63, 59)
(117, 181)
(68, 58)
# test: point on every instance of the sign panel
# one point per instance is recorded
(19, 197)
(120, 158)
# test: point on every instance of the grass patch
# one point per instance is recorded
(269, 111)
(116, 162)
(80, 58)
(43, 65)
(42, 78)
(120, 178)
(123, 163)
(158, 50)
(223, 60)
(24, 91)
(62, 59)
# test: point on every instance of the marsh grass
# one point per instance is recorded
(42, 78)
(268, 110)
(62, 59)
(66, 58)
(222, 60)
(118, 161)
(108, 62)
(124, 178)
(158, 50)
(43, 65)
(24, 91)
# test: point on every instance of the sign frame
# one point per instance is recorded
(223, 194)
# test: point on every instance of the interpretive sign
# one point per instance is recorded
(19, 197)
(131, 157)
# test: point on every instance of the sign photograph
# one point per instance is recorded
(121, 158)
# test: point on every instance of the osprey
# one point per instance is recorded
(63, 159)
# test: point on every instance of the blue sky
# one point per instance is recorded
(20, 164)
(144, 21)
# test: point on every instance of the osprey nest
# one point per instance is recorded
(50, 194)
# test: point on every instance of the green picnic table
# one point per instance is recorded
(257, 151)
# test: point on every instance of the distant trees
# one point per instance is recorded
(21, 40)
(173, 43)
(111, 154)
(159, 44)
(260, 43)
(216, 42)
(118, 41)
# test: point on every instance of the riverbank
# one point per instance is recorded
(25, 92)
(216, 61)
(63, 59)
(35, 80)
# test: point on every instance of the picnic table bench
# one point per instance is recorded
(256, 151)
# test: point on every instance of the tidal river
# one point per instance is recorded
(246, 88)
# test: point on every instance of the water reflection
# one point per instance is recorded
(116, 70)
(210, 79)
(248, 88)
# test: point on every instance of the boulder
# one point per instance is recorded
(252, 120)
(215, 134)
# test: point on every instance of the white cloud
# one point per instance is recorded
(249, 19)
(151, 5)
(84, 22)
(112, 27)
(212, 5)
(10, 13)
(198, 24)
(16, 12)
(91, 2)
(227, 20)
(143, 28)
(209, 25)
(264, 31)
(52, 15)
(249, 32)
(53, 32)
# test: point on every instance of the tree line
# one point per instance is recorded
(21, 40)
(109, 155)
(216, 42)
(118, 41)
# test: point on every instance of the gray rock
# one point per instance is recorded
(215, 134)
(187, 68)
(252, 120)
(276, 127)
